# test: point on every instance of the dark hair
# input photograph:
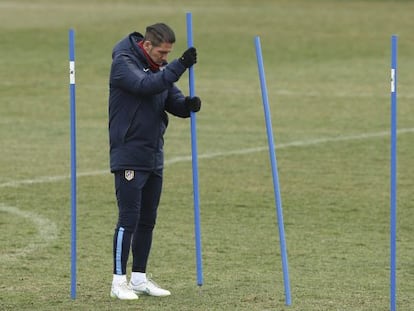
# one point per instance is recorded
(159, 33)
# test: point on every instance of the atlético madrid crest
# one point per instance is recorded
(129, 175)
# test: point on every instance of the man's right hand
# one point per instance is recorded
(189, 57)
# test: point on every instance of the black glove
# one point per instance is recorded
(193, 103)
(189, 57)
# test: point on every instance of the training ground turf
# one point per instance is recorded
(327, 66)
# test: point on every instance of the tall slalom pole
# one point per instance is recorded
(195, 161)
(272, 153)
(393, 186)
(72, 87)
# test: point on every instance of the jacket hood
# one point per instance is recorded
(129, 44)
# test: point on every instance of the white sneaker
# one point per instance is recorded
(149, 287)
(123, 291)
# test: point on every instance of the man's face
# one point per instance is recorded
(158, 54)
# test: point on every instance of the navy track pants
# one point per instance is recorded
(138, 195)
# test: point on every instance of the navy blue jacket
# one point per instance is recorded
(138, 102)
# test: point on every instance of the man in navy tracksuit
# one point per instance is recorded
(142, 90)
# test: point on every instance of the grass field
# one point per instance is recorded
(327, 65)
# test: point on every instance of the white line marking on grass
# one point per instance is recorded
(187, 158)
(47, 232)
(339, 94)
(304, 143)
(47, 179)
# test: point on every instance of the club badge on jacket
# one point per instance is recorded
(129, 175)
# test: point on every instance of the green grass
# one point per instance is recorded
(327, 68)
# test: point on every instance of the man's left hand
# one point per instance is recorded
(193, 103)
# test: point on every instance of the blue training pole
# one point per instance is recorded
(194, 161)
(72, 158)
(272, 153)
(393, 196)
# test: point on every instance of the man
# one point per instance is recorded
(141, 91)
